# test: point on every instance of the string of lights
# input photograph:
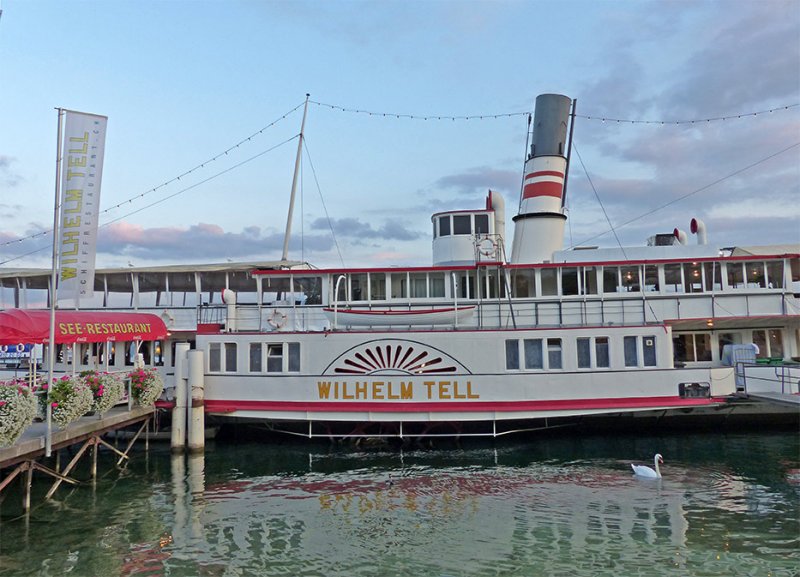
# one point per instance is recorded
(525, 113)
(167, 182)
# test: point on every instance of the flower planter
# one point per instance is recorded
(17, 410)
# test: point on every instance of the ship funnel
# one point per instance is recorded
(539, 226)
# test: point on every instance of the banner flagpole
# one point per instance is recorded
(51, 345)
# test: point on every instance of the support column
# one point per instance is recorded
(179, 412)
(197, 410)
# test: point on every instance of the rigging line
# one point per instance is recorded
(695, 121)
(420, 116)
(600, 202)
(701, 189)
(174, 179)
(173, 195)
(322, 199)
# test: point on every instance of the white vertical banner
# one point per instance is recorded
(81, 175)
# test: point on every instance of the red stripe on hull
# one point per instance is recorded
(544, 188)
(214, 406)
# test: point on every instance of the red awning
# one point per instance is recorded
(33, 327)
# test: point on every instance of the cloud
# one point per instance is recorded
(7, 176)
(353, 228)
(479, 179)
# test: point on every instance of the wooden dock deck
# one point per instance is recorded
(31, 446)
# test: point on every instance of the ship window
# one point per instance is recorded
(377, 286)
(775, 343)
(735, 275)
(650, 277)
(584, 353)
(294, 357)
(713, 275)
(569, 281)
(631, 355)
(649, 350)
(553, 353)
(693, 277)
(549, 281)
(214, 357)
(691, 347)
(775, 274)
(461, 224)
(673, 278)
(630, 279)
(444, 226)
(308, 290)
(524, 283)
(274, 357)
(512, 354)
(418, 283)
(436, 285)
(256, 362)
(533, 354)
(358, 287)
(230, 357)
(601, 352)
(481, 224)
(399, 286)
(610, 279)
(755, 275)
(589, 280)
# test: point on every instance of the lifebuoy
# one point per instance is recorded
(487, 247)
(277, 319)
(3, 348)
(20, 348)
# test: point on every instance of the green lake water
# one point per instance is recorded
(728, 504)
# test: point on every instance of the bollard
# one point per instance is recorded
(178, 436)
(196, 409)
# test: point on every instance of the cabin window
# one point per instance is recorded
(436, 287)
(461, 224)
(399, 286)
(418, 283)
(444, 226)
(274, 357)
(230, 357)
(524, 283)
(589, 280)
(691, 347)
(631, 355)
(769, 343)
(481, 224)
(294, 357)
(673, 278)
(735, 275)
(649, 351)
(554, 353)
(569, 281)
(630, 279)
(650, 278)
(584, 353)
(182, 290)
(610, 279)
(533, 354)
(275, 290)
(755, 275)
(512, 354)
(377, 286)
(358, 287)
(158, 353)
(602, 357)
(713, 276)
(693, 277)
(775, 274)
(549, 281)
(214, 357)
(256, 361)
(308, 290)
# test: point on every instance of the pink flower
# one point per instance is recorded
(54, 405)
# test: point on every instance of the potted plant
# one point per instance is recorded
(146, 386)
(70, 398)
(17, 410)
(107, 389)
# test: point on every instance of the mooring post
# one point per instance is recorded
(197, 387)
(179, 411)
(26, 499)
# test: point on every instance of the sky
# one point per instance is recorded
(212, 92)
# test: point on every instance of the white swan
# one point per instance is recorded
(644, 471)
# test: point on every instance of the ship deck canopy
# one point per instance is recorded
(19, 326)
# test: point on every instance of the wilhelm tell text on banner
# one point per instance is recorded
(81, 175)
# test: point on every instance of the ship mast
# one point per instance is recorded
(294, 185)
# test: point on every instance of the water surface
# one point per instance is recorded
(727, 505)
